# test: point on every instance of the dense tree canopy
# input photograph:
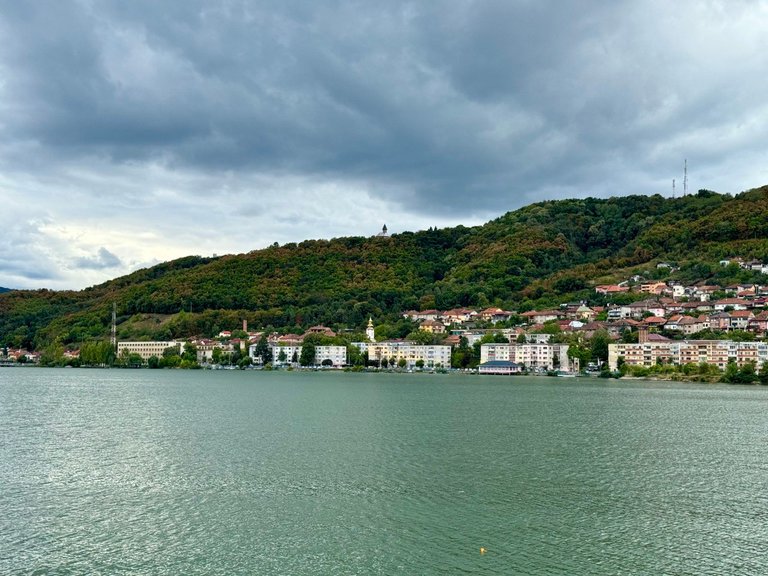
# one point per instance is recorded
(540, 255)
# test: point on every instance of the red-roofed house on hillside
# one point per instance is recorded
(608, 289)
(653, 288)
(540, 317)
(458, 315)
(432, 326)
(494, 315)
(740, 319)
(735, 303)
(324, 330)
(655, 321)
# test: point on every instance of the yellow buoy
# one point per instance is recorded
(482, 550)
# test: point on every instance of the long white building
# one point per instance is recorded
(432, 355)
(145, 349)
(716, 352)
(336, 354)
(533, 356)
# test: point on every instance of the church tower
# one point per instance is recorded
(369, 330)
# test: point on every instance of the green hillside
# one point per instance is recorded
(540, 255)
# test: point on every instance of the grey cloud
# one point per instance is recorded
(481, 106)
(21, 259)
(103, 259)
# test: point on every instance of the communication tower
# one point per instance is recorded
(114, 327)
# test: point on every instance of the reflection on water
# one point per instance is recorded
(168, 472)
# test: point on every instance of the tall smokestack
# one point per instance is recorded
(245, 326)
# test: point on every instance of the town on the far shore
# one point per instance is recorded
(699, 332)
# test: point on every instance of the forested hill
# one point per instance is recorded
(540, 255)
(4, 289)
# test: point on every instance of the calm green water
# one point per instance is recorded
(168, 472)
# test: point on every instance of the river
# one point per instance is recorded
(231, 472)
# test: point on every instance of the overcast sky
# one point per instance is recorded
(133, 132)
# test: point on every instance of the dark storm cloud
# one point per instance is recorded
(492, 97)
(456, 109)
(481, 98)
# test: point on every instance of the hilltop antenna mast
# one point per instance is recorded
(114, 327)
(673, 188)
(685, 178)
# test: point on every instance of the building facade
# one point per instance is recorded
(146, 349)
(716, 352)
(432, 355)
(533, 356)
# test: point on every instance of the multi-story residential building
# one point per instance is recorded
(336, 354)
(146, 349)
(205, 349)
(619, 313)
(432, 355)
(716, 352)
(292, 352)
(532, 356)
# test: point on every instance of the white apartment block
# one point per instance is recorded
(532, 355)
(290, 351)
(432, 355)
(716, 352)
(336, 354)
(146, 349)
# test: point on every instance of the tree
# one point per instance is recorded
(171, 351)
(53, 355)
(763, 375)
(153, 362)
(599, 346)
(584, 355)
(419, 364)
(216, 355)
(97, 353)
(494, 338)
(402, 363)
(747, 373)
(327, 362)
(307, 357)
(190, 352)
(731, 373)
(422, 337)
(282, 357)
(263, 351)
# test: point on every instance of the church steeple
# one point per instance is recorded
(369, 331)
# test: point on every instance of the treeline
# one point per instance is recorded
(535, 257)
